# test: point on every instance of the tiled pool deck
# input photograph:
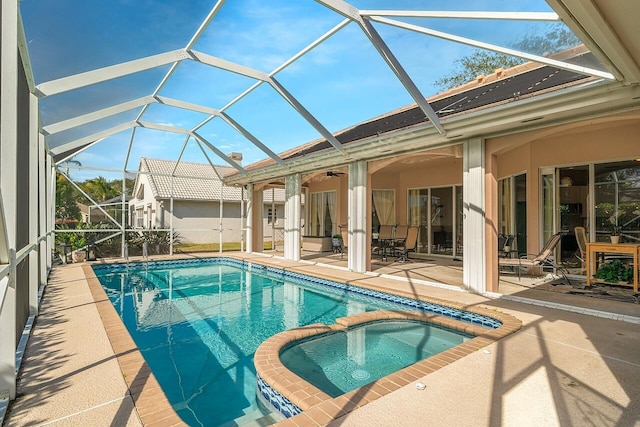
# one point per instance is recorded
(562, 368)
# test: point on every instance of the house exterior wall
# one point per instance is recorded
(198, 222)
(445, 172)
(440, 173)
(143, 199)
(604, 140)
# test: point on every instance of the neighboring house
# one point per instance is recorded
(198, 194)
(93, 213)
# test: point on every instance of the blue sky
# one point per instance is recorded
(341, 82)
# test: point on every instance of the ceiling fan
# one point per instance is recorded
(331, 173)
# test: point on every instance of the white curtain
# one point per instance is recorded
(331, 203)
(384, 202)
(317, 214)
(414, 207)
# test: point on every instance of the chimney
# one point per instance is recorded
(236, 157)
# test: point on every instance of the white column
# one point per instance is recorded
(125, 213)
(220, 225)
(273, 219)
(8, 193)
(357, 220)
(171, 220)
(249, 224)
(257, 226)
(51, 209)
(33, 204)
(241, 219)
(43, 210)
(473, 218)
(292, 220)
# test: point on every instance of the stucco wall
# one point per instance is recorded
(438, 173)
(603, 140)
(198, 222)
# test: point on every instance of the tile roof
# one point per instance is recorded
(194, 181)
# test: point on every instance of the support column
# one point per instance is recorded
(255, 234)
(242, 246)
(8, 192)
(358, 218)
(473, 208)
(249, 224)
(51, 210)
(33, 205)
(292, 216)
(220, 222)
(125, 212)
(43, 210)
(170, 220)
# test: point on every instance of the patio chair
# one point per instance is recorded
(400, 233)
(581, 239)
(409, 245)
(506, 245)
(385, 240)
(543, 259)
(344, 232)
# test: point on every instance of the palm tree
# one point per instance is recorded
(99, 188)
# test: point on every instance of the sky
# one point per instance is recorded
(342, 81)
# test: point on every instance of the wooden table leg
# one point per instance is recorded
(588, 267)
(635, 271)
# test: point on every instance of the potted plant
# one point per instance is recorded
(336, 242)
(615, 272)
(78, 242)
(616, 227)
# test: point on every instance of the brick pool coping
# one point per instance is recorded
(319, 408)
(152, 405)
(154, 408)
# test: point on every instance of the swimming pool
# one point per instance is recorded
(199, 322)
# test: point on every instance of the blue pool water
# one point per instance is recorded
(199, 322)
(343, 361)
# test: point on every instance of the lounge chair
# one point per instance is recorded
(409, 244)
(543, 259)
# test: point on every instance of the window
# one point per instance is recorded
(383, 209)
(323, 218)
(617, 201)
(272, 215)
(512, 210)
(140, 217)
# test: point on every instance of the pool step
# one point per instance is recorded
(254, 418)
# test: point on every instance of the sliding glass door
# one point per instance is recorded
(438, 213)
(512, 210)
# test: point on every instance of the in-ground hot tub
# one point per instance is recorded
(341, 361)
(289, 394)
